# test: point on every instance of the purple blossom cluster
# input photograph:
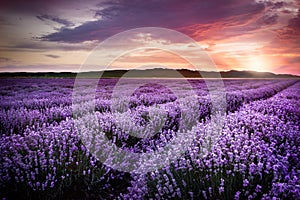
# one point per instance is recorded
(255, 157)
(47, 158)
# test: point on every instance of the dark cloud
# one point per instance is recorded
(52, 56)
(122, 15)
(33, 6)
(268, 19)
(291, 33)
(44, 47)
(3, 59)
(294, 23)
(278, 5)
(55, 19)
(4, 21)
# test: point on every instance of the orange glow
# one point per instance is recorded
(153, 57)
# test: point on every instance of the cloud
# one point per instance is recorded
(30, 6)
(2, 20)
(5, 22)
(295, 59)
(37, 46)
(52, 56)
(55, 19)
(4, 59)
(39, 68)
(268, 19)
(287, 39)
(117, 16)
(292, 31)
(225, 29)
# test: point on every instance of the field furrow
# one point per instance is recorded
(255, 156)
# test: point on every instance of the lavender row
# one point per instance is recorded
(258, 151)
(51, 103)
(256, 157)
(52, 160)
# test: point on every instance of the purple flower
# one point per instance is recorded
(221, 189)
(245, 183)
(237, 195)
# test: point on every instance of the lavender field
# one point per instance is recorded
(255, 156)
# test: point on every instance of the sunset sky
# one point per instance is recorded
(260, 35)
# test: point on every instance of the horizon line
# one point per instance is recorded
(111, 70)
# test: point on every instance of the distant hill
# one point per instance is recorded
(150, 73)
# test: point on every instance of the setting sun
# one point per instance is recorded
(257, 63)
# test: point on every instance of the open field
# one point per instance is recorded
(255, 156)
